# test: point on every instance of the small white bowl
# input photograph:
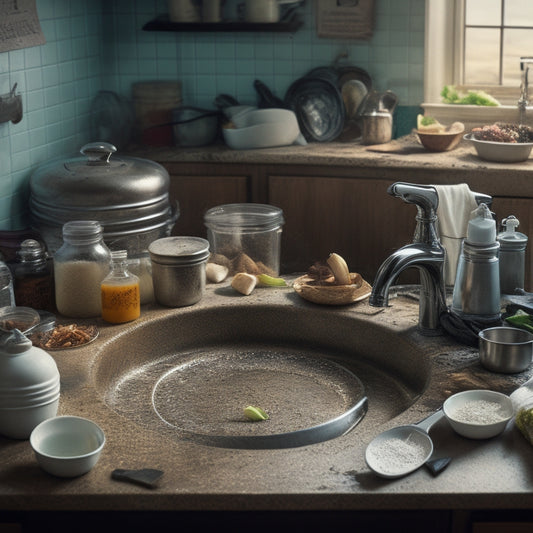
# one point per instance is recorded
(500, 152)
(470, 424)
(67, 446)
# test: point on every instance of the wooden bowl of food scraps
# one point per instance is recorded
(327, 292)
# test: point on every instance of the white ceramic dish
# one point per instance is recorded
(470, 425)
(67, 446)
(19, 422)
(262, 128)
(500, 152)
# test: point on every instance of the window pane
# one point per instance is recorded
(518, 13)
(482, 52)
(516, 43)
(483, 12)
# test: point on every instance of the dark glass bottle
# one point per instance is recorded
(33, 277)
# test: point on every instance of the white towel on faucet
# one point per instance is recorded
(456, 203)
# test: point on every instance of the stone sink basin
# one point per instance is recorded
(187, 374)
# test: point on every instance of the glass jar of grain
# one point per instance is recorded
(80, 265)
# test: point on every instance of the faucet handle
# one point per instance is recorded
(424, 197)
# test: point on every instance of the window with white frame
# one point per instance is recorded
(477, 44)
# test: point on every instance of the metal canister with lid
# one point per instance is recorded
(512, 256)
(178, 270)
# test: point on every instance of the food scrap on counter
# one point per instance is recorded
(64, 336)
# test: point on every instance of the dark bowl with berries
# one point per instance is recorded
(502, 143)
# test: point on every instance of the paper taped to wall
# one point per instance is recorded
(19, 25)
(345, 19)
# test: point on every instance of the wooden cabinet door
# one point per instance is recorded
(522, 209)
(196, 194)
(355, 218)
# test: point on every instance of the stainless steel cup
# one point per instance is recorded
(505, 349)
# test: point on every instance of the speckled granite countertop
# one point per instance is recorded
(331, 475)
(402, 159)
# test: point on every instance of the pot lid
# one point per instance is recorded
(99, 179)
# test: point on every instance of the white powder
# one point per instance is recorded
(480, 412)
(78, 288)
(395, 456)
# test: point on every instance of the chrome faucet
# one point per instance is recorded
(523, 101)
(425, 253)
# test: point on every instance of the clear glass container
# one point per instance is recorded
(120, 290)
(245, 237)
(33, 277)
(80, 265)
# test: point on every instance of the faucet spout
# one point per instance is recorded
(523, 101)
(425, 253)
(429, 259)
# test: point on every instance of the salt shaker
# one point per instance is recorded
(512, 256)
(80, 265)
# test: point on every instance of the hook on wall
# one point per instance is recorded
(11, 106)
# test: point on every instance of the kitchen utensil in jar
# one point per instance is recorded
(403, 449)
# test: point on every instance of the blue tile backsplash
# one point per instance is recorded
(93, 45)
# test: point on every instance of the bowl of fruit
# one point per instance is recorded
(502, 143)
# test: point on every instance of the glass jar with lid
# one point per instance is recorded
(80, 265)
(120, 289)
(245, 237)
(33, 277)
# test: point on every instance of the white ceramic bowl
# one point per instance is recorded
(262, 128)
(466, 413)
(500, 152)
(67, 446)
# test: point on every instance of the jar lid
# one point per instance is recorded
(244, 217)
(179, 250)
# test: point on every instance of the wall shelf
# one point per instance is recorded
(161, 23)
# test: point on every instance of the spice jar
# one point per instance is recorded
(120, 289)
(80, 265)
(245, 237)
(178, 270)
(33, 277)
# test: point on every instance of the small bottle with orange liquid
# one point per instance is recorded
(121, 296)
